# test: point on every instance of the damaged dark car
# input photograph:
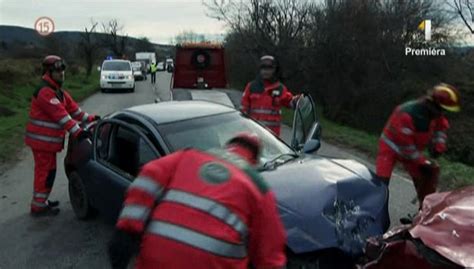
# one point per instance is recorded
(329, 206)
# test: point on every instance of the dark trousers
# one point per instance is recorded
(153, 78)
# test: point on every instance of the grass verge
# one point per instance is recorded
(453, 174)
(18, 80)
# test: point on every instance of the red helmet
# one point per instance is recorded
(248, 140)
(446, 96)
(53, 62)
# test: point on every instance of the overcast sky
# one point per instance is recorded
(159, 20)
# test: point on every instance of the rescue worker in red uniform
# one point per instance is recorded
(264, 97)
(412, 127)
(52, 113)
(195, 209)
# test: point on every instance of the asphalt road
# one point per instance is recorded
(63, 241)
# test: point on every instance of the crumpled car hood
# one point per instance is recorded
(329, 203)
(446, 225)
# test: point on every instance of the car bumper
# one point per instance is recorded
(117, 84)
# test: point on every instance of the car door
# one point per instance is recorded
(119, 158)
(304, 120)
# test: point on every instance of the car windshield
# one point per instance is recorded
(214, 131)
(116, 66)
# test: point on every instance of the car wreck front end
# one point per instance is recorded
(329, 204)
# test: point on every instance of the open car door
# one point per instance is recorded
(304, 121)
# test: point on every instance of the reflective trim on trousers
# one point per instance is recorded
(399, 149)
(45, 138)
(76, 113)
(198, 240)
(39, 204)
(407, 131)
(64, 120)
(40, 195)
(209, 206)
(148, 185)
(440, 134)
(47, 124)
(266, 111)
(270, 123)
(135, 212)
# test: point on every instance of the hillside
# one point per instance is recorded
(21, 42)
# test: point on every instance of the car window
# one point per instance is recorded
(102, 142)
(116, 66)
(214, 131)
(127, 150)
(305, 117)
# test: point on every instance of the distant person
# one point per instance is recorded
(412, 127)
(264, 97)
(153, 70)
(201, 210)
(53, 113)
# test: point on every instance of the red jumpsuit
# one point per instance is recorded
(410, 129)
(262, 100)
(52, 113)
(213, 212)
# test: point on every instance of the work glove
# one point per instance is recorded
(84, 135)
(122, 248)
(428, 167)
(97, 117)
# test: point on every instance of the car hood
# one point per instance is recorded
(329, 203)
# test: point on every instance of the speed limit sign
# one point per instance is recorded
(44, 26)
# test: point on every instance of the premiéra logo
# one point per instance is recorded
(425, 26)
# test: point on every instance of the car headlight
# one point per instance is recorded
(129, 77)
(104, 77)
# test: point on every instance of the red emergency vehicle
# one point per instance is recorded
(199, 66)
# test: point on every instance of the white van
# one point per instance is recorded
(117, 74)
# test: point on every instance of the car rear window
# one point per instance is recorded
(116, 66)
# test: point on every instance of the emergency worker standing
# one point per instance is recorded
(213, 211)
(410, 129)
(52, 113)
(153, 70)
(263, 98)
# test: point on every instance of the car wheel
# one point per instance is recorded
(324, 259)
(104, 90)
(79, 198)
(132, 89)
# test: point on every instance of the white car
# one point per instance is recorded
(117, 74)
(138, 70)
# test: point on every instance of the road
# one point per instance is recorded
(63, 241)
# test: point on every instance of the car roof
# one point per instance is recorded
(172, 111)
(116, 60)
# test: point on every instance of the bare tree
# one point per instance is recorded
(465, 10)
(267, 27)
(189, 37)
(89, 46)
(113, 38)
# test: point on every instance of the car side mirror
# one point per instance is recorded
(313, 143)
(311, 146)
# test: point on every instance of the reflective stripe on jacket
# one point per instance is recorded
(411, 128)
(210, 211)
(52, 113)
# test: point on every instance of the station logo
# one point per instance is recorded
(44, 26)
(426, 27)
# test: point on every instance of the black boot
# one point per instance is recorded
(53, 203)
(48, 211)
